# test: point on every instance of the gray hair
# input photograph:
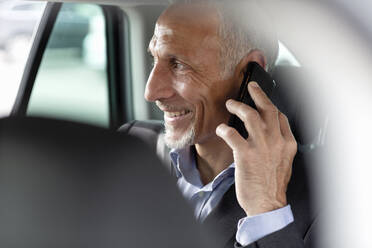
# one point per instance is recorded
(244, 27)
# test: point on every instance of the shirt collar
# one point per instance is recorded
(183, 161)
(185, 165)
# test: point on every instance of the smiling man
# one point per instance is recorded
(201, 50)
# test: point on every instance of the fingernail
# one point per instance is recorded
(219, 129)
(254, 84)
(229, 102)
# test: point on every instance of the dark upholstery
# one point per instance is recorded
(69, 185)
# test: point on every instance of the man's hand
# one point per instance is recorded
(264, 160)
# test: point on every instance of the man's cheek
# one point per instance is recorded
(193, 93)
(196, 80)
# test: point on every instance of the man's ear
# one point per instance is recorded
(253, 56)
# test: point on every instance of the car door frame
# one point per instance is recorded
(116, 51)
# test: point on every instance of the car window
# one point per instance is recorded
(72, 81)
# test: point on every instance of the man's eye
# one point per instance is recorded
(177, 65)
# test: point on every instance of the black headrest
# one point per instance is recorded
(70, 185)
(295, 96)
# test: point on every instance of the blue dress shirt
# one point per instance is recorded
(204, 198)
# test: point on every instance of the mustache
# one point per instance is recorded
(170, 107)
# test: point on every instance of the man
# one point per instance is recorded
(200, 52)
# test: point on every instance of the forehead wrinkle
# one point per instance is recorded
(166, 34)
(174, 36)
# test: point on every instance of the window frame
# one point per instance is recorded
(116, 31)
(35, 57)
(117, 69)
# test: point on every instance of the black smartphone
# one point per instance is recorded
(255, 73)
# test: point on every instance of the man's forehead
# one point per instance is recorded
(171, 30)
(183, 38)
(163, 30)
(186, 36)
(186, 19)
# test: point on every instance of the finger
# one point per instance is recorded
(267, 109)
(232, 138)
(285, 128)
(250, 117)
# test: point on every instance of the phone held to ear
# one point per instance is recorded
(254, 73)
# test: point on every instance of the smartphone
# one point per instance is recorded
(255, 73)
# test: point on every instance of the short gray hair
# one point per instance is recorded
(244, 27)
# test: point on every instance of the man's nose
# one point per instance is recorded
(159, 85)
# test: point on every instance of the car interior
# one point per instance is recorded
(83, 81)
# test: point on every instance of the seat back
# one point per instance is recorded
(69, 185)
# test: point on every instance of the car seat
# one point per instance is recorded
(64, 184)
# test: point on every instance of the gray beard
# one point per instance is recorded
(186, 140)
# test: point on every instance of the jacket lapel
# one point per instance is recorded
(223, 220)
